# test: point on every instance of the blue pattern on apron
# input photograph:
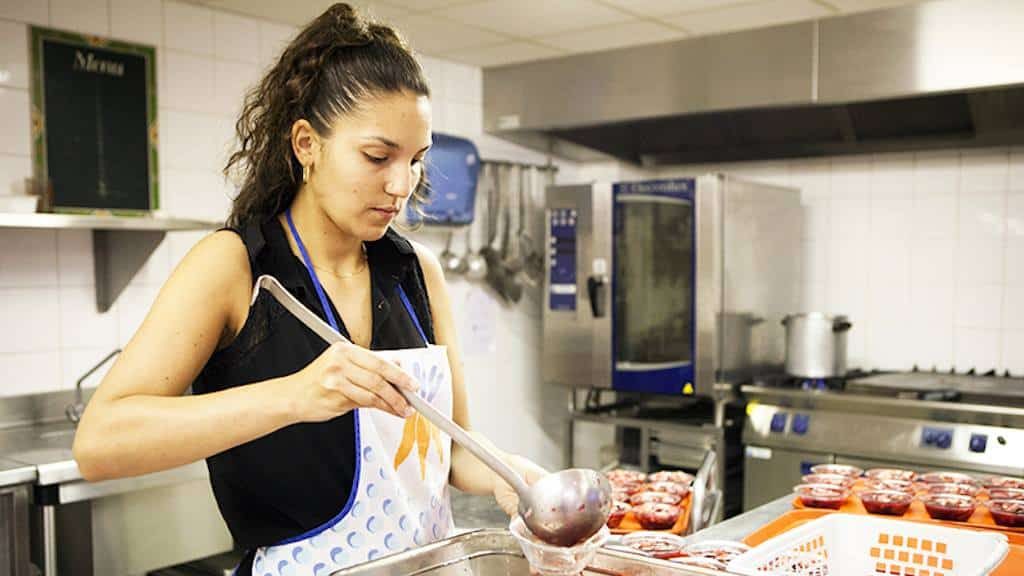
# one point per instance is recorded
(393, 506)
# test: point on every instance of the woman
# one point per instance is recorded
(316, 461)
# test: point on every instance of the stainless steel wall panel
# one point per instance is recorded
(930, 47)
(759, 68)
(767, 67)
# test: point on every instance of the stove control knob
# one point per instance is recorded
(978, 442)
(800, 423)
(941, 438)
(778, 422)
(928, 437)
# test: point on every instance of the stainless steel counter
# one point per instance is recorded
(46, 447)
(739, 527)
(42, 455)
(496, 553)
(112, 524)
(13, 473)
(489, 551)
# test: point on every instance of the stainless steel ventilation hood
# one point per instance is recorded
(947, 73)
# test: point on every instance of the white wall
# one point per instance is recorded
(206, 59)
(924, 251)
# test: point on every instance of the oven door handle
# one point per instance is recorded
(597, 291)
(705, 494)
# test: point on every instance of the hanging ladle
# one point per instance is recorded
(562, 508)
(450, 262)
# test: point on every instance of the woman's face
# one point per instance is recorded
(372, 162)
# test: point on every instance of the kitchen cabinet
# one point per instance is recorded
(15, 492)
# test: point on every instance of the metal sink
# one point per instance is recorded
(493, 552)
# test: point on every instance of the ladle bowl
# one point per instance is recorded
(567, 507)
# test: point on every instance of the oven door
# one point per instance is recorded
(653, 286)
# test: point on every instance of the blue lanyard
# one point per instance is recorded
(312, 273)
(323, 297)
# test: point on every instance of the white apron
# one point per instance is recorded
(399, 498)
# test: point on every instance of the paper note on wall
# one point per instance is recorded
(480, 318)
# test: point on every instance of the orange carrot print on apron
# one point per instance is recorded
(418, 430)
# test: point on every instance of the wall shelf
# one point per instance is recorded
(120, 245)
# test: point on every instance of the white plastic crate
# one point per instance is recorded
(855, 545)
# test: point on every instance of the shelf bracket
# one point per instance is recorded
(117, 257)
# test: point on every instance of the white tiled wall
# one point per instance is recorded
(924, 251)
(206, 59)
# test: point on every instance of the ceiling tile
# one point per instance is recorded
(294, 13)
(423, 5)
(382, 11)
(507, 53)
(747, 16)
(301, 12)
(432, 35)
(534, 18)
(865, 5)
(614, 36)
(663, 7)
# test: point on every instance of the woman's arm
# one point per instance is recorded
(138, 421)
(467, 472)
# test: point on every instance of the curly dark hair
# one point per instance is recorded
(334, 63)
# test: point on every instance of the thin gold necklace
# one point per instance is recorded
(346, 275)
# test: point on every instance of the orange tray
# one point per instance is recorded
(1012, 565)
(981, 518)
(631, 524)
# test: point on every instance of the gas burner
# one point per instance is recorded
(782, 380)
(818, 384)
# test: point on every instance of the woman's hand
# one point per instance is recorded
(344, 377)
(504, 494)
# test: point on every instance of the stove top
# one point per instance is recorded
(989, 388)
(783, 380)
(970, 388)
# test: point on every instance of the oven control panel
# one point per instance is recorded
(920, 443)
(562, 252)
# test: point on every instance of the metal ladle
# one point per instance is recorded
(474, 265)
(450, 262)
(562, 508)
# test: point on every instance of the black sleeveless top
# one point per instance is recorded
(297, 478)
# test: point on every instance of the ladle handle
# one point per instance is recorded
(446, 424)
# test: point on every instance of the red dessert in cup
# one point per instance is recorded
(656, 515)
(891, 474)
(889, 502)
(821, 495)
(659, 497)
(1008, 513)
(619, 510)
(841, 469)
(949, 506)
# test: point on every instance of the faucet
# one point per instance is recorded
(74, 411)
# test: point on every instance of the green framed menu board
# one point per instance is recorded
(94, 123)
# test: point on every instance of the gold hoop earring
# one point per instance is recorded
(305, 173)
